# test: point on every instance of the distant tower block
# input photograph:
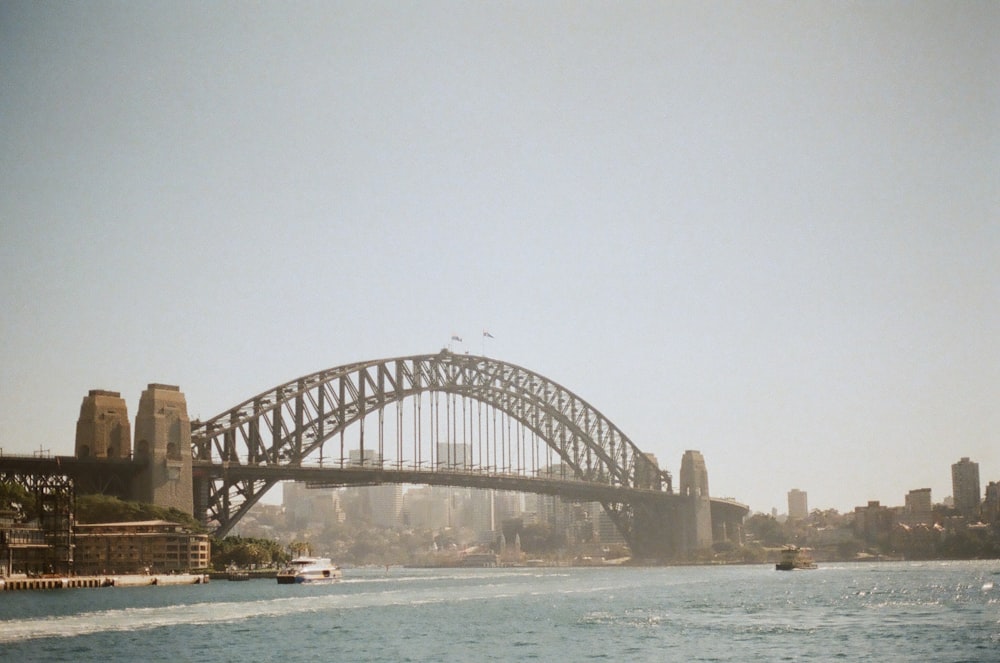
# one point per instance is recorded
(694, 475)
(163, 439)
(798, 504)
(965, 487)
(103, 431)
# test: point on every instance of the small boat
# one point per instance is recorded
(237, 574)
(793, 558)
(312, 570)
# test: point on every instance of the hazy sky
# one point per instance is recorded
(768, 231)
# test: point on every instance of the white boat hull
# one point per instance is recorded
(310, 571)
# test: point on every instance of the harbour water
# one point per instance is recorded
(927, 611)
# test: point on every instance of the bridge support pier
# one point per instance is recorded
(696, 525)
(672, 529)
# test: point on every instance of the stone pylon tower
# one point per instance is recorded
(694, 475)
(697, 530)
(163, 441)
(103, 430)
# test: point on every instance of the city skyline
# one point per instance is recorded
(764, 232)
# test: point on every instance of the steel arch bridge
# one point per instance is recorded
(437, 419)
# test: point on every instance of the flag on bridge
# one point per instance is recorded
(486, 334)
(455, 337)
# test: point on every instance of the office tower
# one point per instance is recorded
(798, 504)
(965, 487)
(918, 507)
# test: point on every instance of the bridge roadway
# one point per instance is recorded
(114, 475)
(723, 509)
(573, 489)
(122, 470)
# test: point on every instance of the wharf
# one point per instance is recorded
(244, 574)
(14, 583)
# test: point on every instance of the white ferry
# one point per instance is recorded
(312, 570)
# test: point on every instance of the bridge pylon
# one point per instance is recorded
(163, 442)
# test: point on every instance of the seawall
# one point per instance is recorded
(16, 583)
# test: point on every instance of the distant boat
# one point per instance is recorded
(309, 570)
(794, 558)
(232, 573)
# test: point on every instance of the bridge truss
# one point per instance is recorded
(437, 419)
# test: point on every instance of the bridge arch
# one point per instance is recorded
(290, 426)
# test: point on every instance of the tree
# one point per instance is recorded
(107, 509)
(15, 497)
(246, 551)
(539, 538)
(766, 529)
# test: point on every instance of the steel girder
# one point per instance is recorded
(284, 425)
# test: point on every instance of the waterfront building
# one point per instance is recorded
(919, 510)
(965, 487)
(873, 523)
(798, 504)
(23, 548)
(153, 546)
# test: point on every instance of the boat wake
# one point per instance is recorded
(208, 613)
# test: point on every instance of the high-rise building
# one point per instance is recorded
(453, 456)
(798, 504)
(991, 504)
(378, 505)
(873, 523)
(965, 487)
(918, 507)
(371, 458)
(311, 507)
(607, 531)
(429, 507)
